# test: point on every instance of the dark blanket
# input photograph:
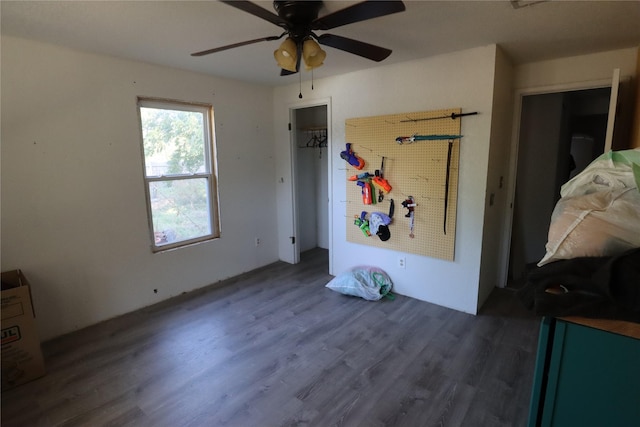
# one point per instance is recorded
(602, 287)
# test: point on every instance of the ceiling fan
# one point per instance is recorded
(299, 20)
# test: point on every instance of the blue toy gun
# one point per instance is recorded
(351, 157)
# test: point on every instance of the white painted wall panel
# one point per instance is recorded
(73, 205)
(462, 79)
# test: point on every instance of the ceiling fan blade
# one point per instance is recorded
(366, 50)
(258, 11)
(231, 46)
(356, 13)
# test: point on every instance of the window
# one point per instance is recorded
(179, 172)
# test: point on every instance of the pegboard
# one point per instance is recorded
(416, 169)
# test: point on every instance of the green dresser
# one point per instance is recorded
(586, 376)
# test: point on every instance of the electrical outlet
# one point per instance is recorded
(257, 241)
(401, 262)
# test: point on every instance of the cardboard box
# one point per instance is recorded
(21, 354)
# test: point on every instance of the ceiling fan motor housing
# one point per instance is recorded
(299, 15)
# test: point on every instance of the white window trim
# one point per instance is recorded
(211, 175)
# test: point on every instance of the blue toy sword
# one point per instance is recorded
(411, 139)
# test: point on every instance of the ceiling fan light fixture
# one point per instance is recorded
(287, 55)
(312, 54)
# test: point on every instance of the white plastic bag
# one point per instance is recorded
(370, 283)
(610, 171)
(599, 212)
(605, 223)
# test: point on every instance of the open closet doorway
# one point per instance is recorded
(560, 134)
(311, 143)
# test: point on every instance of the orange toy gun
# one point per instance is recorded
(367, 192)
(364, 182)
(380, 182)
(361, 176)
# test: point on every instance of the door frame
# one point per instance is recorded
(513, 157)
(326, 102)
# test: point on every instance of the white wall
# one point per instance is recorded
(73, 205)
(496, 197)
(576, 71)
(462, 79)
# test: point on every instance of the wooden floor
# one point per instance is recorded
(274, 347)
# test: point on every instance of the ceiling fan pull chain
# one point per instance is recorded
(300, 94)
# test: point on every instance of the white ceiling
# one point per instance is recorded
(166, 32)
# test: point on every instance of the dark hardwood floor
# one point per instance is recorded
(274, 347)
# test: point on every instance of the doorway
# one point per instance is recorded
(560, 134)
(311, 177)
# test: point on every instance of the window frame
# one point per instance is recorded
(210, 174)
